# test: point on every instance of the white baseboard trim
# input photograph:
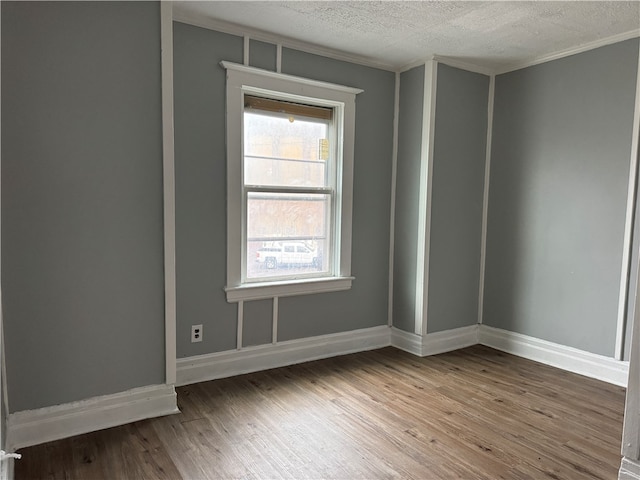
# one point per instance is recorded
(409, 342)
(7, 469)
(434, 343)
(629, 469)
(567, 358)
(252, 359)
(32, 427)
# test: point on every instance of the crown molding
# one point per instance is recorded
(461, 64)
(585, 47)
(179, 15)
(183, 16)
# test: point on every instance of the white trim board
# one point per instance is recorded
(435, 343)
(394, 176)
(253, 359)
(169, 190)
(33, 427)
(629, 469)
(571, 359)
(485, 195)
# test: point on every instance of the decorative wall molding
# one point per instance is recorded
(253, 359)
(621, 37)
(434, 343)
(567, 358)
(629, 469)
(32, 427)
(179, 15)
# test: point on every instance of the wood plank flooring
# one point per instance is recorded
(471, 414)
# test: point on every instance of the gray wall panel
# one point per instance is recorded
(262, 55)
(257, 325)
(82, 226)
(407, 194)
(456, 199)
(365, 305)
(559, 174)
(201, 198)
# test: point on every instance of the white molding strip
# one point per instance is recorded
(435, 343)
(424, 200)
(621, 37)
(566, 358)
(274, 321)
(32, 427)
(253, 359)
(291, 78)
(629, 469)
(240, 325)
(169, 190)
(182, 16)
(394, 175)
(245, 50)
(485, 195)
(279, 58)
(628, 226)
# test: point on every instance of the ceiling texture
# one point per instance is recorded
(394, 34)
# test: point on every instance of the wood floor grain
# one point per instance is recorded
(472, 414)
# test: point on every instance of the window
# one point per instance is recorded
(289, 184)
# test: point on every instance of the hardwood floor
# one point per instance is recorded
(474, 413)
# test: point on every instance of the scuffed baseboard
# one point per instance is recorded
(32, 427)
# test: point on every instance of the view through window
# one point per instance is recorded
(289, 186)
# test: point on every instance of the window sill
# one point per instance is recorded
(259, 291)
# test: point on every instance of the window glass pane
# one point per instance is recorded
(285, 151)
(287, 234)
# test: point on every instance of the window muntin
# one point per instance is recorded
(289, 189)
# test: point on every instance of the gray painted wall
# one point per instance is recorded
(456, 199)
(201, 198)
(257, 322)
(262, 55)
(407, 194)
(82, 241)
(559, 174)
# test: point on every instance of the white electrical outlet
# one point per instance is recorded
(196, 333)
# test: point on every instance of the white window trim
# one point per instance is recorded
(239, 78)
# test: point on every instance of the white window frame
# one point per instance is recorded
(242, 79)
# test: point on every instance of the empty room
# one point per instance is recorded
(320, 239)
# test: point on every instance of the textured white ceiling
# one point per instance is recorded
(398, 33)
